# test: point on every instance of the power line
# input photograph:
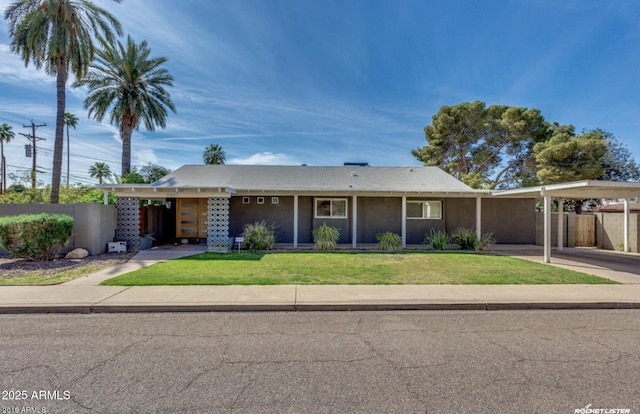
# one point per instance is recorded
(34, 140)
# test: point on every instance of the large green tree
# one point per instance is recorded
(128, 85)
(485, 147)
(58, 35)
(6, 135)
(570, 157)
(214, 154)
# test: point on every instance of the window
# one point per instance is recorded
(331, 207)
(275, 200)
(424, 210)
(260, 200)
(246, 200)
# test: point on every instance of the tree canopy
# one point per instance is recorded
(128, 85)
(504, 146)
(58, 35)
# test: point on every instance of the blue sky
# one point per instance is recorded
(323, 82)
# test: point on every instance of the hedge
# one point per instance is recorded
(35, 236)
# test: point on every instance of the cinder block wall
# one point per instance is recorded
(94, 227)
(569, 229)
(610, 231)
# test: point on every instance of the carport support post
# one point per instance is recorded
(404, 222)
(547, 227)
(560, 224)
(295, 221)
(626, 224)
(354, 226)
(479, 217)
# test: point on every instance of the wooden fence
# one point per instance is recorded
(585, 230)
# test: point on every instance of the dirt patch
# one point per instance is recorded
(15, 268)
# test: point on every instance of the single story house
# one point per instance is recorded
(215, 202)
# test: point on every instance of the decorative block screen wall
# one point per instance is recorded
(218, 224)
(128, 221)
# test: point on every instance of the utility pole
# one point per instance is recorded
(33, 138)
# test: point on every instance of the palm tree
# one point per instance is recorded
(6, 135)
(214, 154)
(70, 120)
(58, 35)
(100, 170)
(128, 84)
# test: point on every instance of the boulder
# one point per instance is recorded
(77, 254)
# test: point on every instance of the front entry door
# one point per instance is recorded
(191, 220)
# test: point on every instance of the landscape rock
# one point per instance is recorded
(77, 254)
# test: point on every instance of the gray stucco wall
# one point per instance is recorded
(280, 214)
(418, 229)
(377, 215)
(512, 221)
(94, 225)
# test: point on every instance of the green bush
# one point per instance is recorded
(325, 237)
(467, 239)
(259, 236)
(438, 239)
(389, 241)
(35, 236)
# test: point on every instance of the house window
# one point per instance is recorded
(275, 200)
(331, 207)
(424, 210)
(246, 200)
(260, 200)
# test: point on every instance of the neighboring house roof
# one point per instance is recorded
(344, 179)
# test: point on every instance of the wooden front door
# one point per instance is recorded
(191, 220)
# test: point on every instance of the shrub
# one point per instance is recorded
(325, 237)
(259, 236)
(35, 236)
(485, 241)
(438, 239)
(467, 239)
(389, 241)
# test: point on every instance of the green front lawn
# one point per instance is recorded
(350, 268)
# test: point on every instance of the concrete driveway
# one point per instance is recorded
(619, 266)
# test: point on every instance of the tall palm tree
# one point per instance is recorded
(70, 120)
(6, 135)
(214, 154)
(57, 35)
(100, 170)
(129, 85)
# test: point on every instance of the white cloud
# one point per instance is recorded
(265, 158)
(12, 70)
(143, 157)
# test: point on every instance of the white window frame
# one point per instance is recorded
(260, 200)
(331, 216)
(246, 200)
(426, 209)
(275, 200)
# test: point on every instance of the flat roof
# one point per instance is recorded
(576, 190)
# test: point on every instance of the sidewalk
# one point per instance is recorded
(85, 296)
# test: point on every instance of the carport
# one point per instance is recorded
(576, 190)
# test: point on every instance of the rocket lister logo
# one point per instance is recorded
(589, 410)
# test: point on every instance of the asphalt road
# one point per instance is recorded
(332, 362)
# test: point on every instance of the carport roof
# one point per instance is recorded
(576, 190)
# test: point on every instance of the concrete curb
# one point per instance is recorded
(319, 307)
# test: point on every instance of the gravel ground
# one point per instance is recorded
(19, 267)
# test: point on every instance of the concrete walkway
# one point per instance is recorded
(85, 296)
